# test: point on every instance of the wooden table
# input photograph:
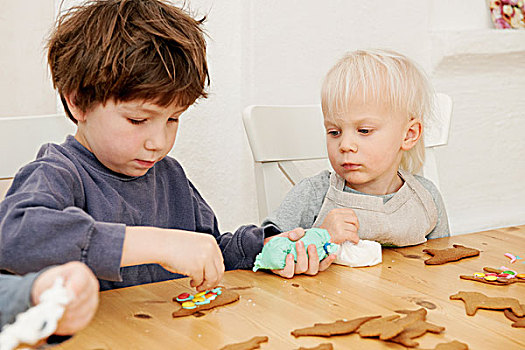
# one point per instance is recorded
(272, 306)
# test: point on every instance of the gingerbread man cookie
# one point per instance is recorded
(189, 304)
(442, 256)
(496, 277)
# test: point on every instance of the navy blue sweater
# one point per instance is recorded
(66, 205)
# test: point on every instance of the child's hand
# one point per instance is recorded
(342, 225)
(82, 283)
(198, 256)
(308, 264)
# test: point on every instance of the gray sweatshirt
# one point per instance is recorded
(66, 206)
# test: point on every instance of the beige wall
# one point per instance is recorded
(24, 82)
(277, 51)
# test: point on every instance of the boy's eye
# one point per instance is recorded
(334, 132)
(364, 131)
(173, 120)
(136, 121)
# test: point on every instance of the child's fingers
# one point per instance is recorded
(288, 270)
(212, 277)
(326, 262)
(197, 277)
(296, 234)
(352, 235)
(302, 258)
(76, 318)
(313, 260)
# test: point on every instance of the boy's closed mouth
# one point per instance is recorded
(351, 166)
(145, 163)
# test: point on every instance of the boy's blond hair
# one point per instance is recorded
(380, 77)
(125, 50)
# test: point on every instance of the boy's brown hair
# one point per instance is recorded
(126, 50)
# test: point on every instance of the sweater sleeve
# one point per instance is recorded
(301, 205)
(42, 221)
(15, 296)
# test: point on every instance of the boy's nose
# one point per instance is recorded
(347, 144)
(155, 141)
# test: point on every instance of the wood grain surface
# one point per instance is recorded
(140, 317)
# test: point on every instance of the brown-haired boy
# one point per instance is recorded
(109, 196)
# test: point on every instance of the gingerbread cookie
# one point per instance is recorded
(453, 345)
(254, 343)
(519, 322)
(189, 304)
(324, 346)
(497, 281)
(474, 301)
(442, 256)
(496, 277)
(388, 327)
(415, 330)
(334, 328)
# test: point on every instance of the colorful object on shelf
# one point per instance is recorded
(507, 14)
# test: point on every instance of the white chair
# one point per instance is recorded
(284, 139)
(21, 138)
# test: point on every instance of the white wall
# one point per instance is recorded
(277, 51)
(25, 86)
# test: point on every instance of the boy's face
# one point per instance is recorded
(365, 147)
(128, 137)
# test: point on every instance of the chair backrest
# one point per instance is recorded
(288, 144)
(21, 138)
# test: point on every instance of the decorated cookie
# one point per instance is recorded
(334, 328)
(190, 304)
(254, 343)
(474, 301)
(273, 254)
(415, 330)
(324, 346)
(519, 322)
(496, 277)
(442, 256)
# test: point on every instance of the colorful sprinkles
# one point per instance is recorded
(192, 301)
(501, 276)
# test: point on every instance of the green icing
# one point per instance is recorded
(273, 254)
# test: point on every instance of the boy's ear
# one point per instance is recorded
(76, 112)
(412, 134)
